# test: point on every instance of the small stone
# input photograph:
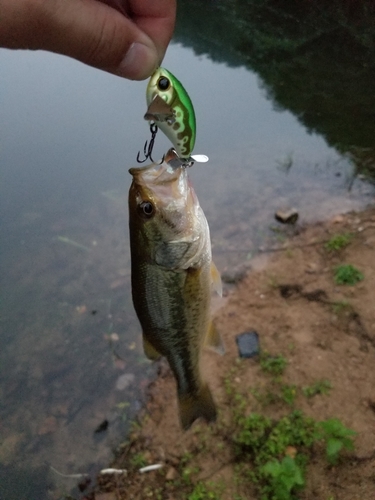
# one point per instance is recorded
(287, 216)
(124, 381)
(114, 337)
(248, 344)
(171, 474)
(337, 219)
(312, 268)
(291, 451)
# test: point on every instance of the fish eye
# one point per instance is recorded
(147, 209)
(163, 83)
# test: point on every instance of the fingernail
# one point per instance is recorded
(139, 62)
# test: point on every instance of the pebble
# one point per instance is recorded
(287, 216)
(337, 219)
(124, 381)
(248, 344)
(171, 474)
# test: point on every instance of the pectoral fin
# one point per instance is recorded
(149, 350)
(217, 286)
(214, 340)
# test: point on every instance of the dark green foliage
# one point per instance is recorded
(346, 274)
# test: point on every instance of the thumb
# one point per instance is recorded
(89, 31)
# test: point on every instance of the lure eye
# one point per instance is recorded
(147, 209)
(163, 83)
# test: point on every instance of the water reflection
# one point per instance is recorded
(70, 351)
(316, 59)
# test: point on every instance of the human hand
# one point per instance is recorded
(124, 37)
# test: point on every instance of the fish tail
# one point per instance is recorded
(193, 406)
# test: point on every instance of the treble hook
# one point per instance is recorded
(147, 149)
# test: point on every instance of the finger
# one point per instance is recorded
(156, 18)
(87, 30)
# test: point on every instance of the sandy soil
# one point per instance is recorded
(325, 331)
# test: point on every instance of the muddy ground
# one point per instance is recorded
(325, 332)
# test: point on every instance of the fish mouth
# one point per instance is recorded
(159, 173)
(166, 182)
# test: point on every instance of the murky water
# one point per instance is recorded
(70, 351)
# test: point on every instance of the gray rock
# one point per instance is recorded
(287, 216)
(248, 344)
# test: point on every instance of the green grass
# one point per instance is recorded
(338, 242)
(283, 477)
(138, 460)
(270, 456)
(263, 443)
(289, 393)
(336, 437)
(319, 387)
(201, 492)
(341, 306)
(346, 274)
(274, 365)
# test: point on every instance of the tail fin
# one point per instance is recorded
(193, 406)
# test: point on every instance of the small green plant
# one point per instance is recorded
(289, 393)
(253, 431)
(283, 478)
(341, 306)
(200, 492)
(274, 365)
(346, 274)
(138, 460)
(319, 387)
(338, 242)
(336, 436)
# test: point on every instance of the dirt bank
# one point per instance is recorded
(324, 332)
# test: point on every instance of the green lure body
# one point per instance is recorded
(170, 108)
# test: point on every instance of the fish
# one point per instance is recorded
(171, 109)
(173, 276)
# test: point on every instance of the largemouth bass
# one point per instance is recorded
(172, 279)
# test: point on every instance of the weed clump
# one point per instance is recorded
(319, 387)
(274, 365)
(338, 242)
(346, 274)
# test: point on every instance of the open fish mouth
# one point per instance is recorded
(167, 182)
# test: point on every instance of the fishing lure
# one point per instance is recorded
(171, 109)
